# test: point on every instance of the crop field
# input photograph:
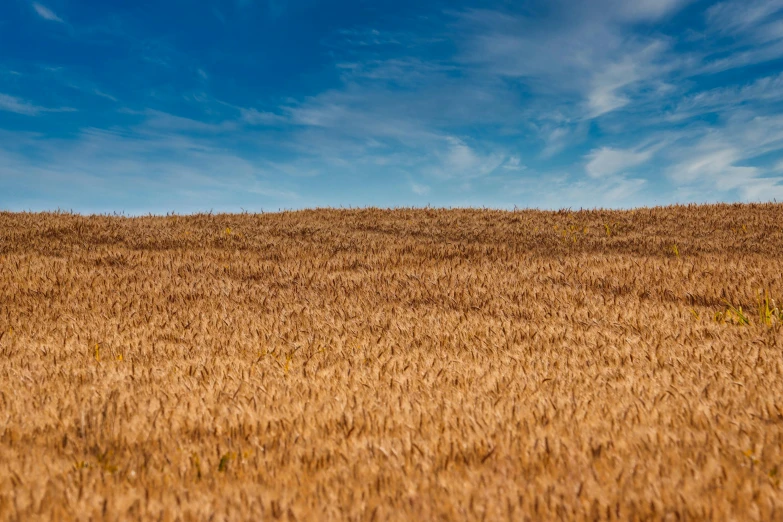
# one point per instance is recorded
(408, 364)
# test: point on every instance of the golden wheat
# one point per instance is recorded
(393, 365)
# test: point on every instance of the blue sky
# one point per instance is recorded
(140, 106)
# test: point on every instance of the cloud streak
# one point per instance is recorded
(607, 161)
(46, 13)
(166, 166)
(16, 105)
(582, 51)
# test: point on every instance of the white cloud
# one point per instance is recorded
(397, 113)
(737, 16)
(621, 190)
(583, 50)
(755, 28)
(605, 99)
(644, 10)
(459, 160)
(726, 159)
(255, 117)
(556, 141)
(716, 166)
(608, 82)
(46, 13)
(358, 116)
(770, 32)
(13, 104)
(607, 161)
(172, 168)
(102, 94)
(514, 163)
(556, 190)
(419, 189)
(367, 36)
(718, 173)
(727, 99)
(460, 157)
(297, 168)
(755, 54)
(764, 189)
(163, 121)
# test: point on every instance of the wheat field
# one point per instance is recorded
(407, 364)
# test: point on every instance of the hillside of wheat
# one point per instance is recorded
(393, 365)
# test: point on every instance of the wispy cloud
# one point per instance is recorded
(398, 112)
(514, 163)
(724, 99)
(46, 13)
(13, 104)
(753, 30)
(102, 94)
(741, 16)
(159, 121)
(167, 166)
(607, 161)
(560, 190)
(583, 50)
(556, 137)
(459, 160)
(256, 117)
(17, 105)
(607, 85)
(730, 158)
(716, 171)
(419, 189)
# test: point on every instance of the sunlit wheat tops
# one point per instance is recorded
(393, 365)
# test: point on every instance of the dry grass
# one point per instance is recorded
(393, 365)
